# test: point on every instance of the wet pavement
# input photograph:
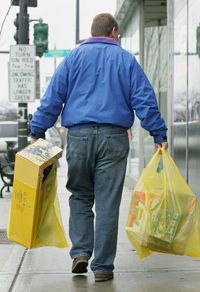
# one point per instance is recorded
(49, 269)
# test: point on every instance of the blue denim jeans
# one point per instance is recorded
(97, 158)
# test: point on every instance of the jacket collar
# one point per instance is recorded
(106, 40)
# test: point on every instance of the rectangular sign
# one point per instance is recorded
(22, 73)
(56, 53)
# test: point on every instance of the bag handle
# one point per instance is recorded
(153, 163)
(152, 169)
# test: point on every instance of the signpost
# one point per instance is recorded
(56, 53)
(22, 73)
(26, 92)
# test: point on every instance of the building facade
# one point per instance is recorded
(162, 34)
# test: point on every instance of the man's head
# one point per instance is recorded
(104, 24)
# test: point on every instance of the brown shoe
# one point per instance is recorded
(79, 265)
(103, 277)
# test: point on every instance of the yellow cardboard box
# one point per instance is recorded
(28, 178)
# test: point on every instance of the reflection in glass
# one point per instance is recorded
(180, 61)
(130, 41)
(193, 62)
(155, 67)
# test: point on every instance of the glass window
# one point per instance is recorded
(193, 62)
(180, 61)
(193, 137)
(180, 92)
(155, 67)
(130, 42)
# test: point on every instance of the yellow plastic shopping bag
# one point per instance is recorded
(164, 214)
(35, 218)
(49, 231)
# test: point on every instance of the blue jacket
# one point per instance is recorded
(99, 82)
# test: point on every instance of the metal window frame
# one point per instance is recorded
(170, 87)
(141, 57)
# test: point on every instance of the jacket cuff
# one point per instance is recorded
(38, 135)
(159, 139)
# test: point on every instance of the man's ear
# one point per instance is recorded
(114, 33)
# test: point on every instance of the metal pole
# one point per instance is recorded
(141, 41)
(77, 39)
(77, 20)
(55, 62)
(187, 96)
(170, 33)
(22, 107)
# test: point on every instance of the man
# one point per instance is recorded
(98, 87)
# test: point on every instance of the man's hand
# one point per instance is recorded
(163, 145)
(33, 140)
(130, 135)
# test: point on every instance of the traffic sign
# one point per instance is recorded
(22, 73)
(56, 53)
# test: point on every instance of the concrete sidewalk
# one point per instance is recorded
(49, 269)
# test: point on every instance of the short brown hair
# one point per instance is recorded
(103, 24)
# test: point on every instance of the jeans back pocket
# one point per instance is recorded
(118, 145)
(77, 146)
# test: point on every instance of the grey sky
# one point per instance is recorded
(60, 15)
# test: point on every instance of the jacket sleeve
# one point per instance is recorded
(51, 103)
(144, 103)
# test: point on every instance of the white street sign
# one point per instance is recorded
(22, 76)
